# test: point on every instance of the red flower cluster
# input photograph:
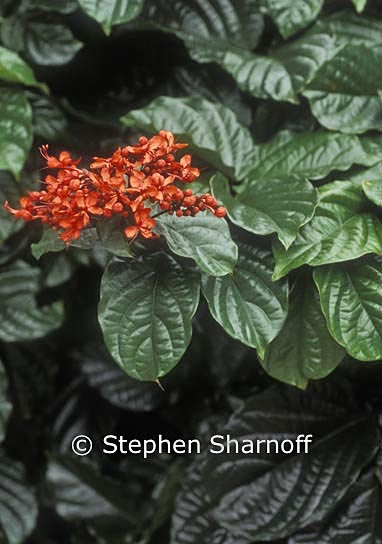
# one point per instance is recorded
(125, 183)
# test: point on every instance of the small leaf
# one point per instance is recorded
(338, 231)
(15, 130)
(269, 206)
(204, 238)
(20, 317)
(290, 18)
(351, 300)
(112, 12)
(247, 303)
(112, 238)
(145, 313)
(304, 349)
(49, 123)
(18, 506)
(311, 156)
(49, 241)
(211, 129)
(14, 69)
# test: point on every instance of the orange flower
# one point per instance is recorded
(123, 184)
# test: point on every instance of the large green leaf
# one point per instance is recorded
(304, 349)
(15, 129)
(310, 156)
(225, 32)
(21, 318)
(49, 123)
(204, 238)
(145, 313)
(287, 492)
(292, 17)
(9, 190)
(359, 515)
(351, 300)
(269, 206)
(49, 44)
(111, 12)
(247, 303)
(14, 69)
(338, 231)
(344, 92)
(211, 129)
(373, 190)
(18, 507)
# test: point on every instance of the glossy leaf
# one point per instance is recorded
(20, 316)
(268, 206)
(287, 492)
(304, 349)
(48, 242)
(112, 12)
(211, 129)
(344, 93)
(204, 238)
(247, 303)
(358, 515)
(145, 313)
(351, 301)
(225, 33)
(290, 18)
(18, 507)
(14, 69)
(15, 130)
(50, 44)
(338, 231)
(49, 123)
(310, 156)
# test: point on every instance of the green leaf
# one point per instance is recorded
(225, 32)
(360, 513)
(304, 349)
(373, 191)
(14, 69)
(50, 44)
(211, 129)
(269, 206)
(338, 231)
(80, 492)
(290, 18)
(15, 130)
(287, 492)
(112, 238)
(344, 92)
(310, 156)
(204, 238)
(20, 316)
(9, 190)
(5, 404)
(112, 12)
(351, 300)
(51, 5)
(145, 313)
(48, 242)
(49, 123)
(18, 506)
(359, 5)
(247, 303)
